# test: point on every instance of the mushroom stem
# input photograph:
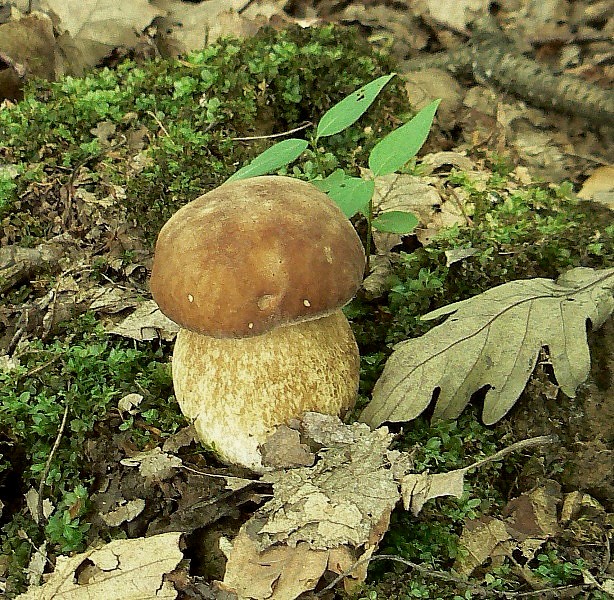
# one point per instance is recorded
(239, 390)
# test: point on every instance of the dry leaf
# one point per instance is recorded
(456, 15)
(189, 26)
(279, 573)
(416, 195)
(120, 570)
(124, 513)
(479, 540)
(417, 488)
(28, 47)
(377, 282)
(91, 30)
(337, 501)
(599, 187)
(529, 521)
(154, 464)
(344, 501)
(146, 323)
(494, 340)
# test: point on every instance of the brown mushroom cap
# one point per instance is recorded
(255, 254)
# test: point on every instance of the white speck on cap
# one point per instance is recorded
(190, 298)
(306, 303)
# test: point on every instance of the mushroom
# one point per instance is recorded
(255, 272)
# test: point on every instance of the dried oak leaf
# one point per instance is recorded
(494, 340)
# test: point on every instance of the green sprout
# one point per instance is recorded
(355, 194)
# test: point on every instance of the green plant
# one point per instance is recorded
(355, 194)
(556, 570)
(88, 372)
(65, 527)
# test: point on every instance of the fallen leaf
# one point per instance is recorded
(91, 30)
(456, 15)
(28, 47)
(417, 195)
(37, 564)
(378, 281)
(458, 254)
(528, 521)
(283, 450)
(279, 573)
(417, 488)
(479, 540)
(124, 513)
(154, 464)
(109, 299)
(599, 187)
(121, 570)
(146, 323)
(189, 26)
(343, 502)
(494, 340)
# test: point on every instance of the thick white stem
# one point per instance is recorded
(238, 391)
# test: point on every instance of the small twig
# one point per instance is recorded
(42, 367)
(39, 507)
(272, 135)
(430, 572)
(153, 116)
(540, 440)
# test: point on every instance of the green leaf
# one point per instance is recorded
(351, 108)
(391, 153)
(396, 221)
(273, 158)
(352, 195)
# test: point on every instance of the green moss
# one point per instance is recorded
(173, 122)
(88, 372)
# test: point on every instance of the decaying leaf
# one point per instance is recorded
(189, 26)
(123, 570)
(417, 195)
(154, 464)
(528, 521)
(28, 48)
(146, 323)
(92, 29)
(418, 488)
(279, 573)
(343, 502)
(599, 187)
(124, 513)
(494, 340)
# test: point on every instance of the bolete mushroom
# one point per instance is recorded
(255, 272)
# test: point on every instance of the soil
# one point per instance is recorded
(585, 453)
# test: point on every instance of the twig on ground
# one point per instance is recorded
(39, 507)
(488, 57)
(273, 135)
(430, 572)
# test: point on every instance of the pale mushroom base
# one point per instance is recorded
(237, 391)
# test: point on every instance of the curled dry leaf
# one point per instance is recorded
(340, 505)
(494, 340)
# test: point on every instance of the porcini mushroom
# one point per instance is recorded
(256, 272)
